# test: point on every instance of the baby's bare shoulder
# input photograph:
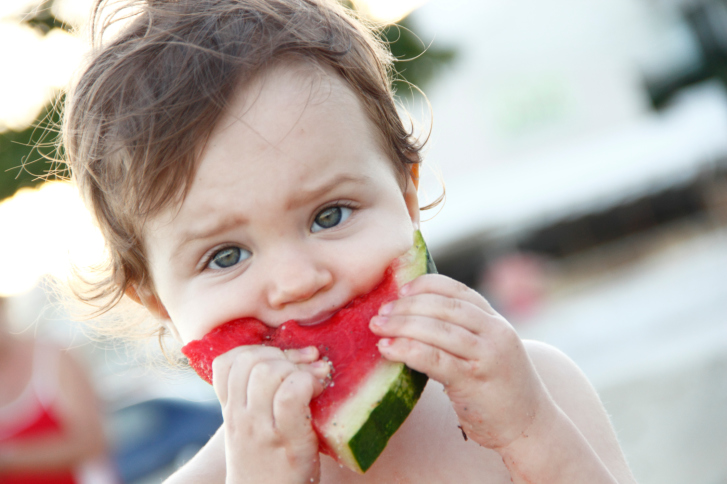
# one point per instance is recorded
(567, 384)
(577, 398)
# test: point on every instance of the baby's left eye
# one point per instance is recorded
(228, 257)
(330, 217)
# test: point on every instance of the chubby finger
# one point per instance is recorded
(432, 361)
(241, 359)
(308, 354)
(435, 306)
(445, 286)
(442, 334)
(320, 369)
(266, 377)
(291, 405)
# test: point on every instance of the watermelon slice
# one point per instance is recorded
(368, 397)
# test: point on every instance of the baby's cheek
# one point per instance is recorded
(200, 312)
(366, 272)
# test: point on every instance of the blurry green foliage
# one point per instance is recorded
(43, 19)
(24, 155)
(417, 62)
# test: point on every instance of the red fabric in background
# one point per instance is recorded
(44, 424)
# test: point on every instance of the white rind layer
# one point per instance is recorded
(351, 416)
(412, 264)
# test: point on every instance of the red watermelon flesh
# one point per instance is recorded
(344, 339)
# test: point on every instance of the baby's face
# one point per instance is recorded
(294, 210)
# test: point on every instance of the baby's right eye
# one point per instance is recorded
(227, 257)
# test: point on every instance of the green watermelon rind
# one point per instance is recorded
(391, 391)
(415, 262)
(361, 428)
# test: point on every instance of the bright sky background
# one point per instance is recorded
(44, 229)
(23, 95)
(50, 224)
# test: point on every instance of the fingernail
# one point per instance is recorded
(404, 289)
(320, 364)
(308, 351)
(386, 309)
(384, 342)
(379, 320)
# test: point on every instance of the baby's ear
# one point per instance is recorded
(410, 195)
(145, 296)
(414, 173)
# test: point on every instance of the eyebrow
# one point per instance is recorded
(211, 230)
(305, 196)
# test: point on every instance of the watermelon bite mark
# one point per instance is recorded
(368, 397)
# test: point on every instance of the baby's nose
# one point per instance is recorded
(296, 279)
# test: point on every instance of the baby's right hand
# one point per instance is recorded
(265, 395)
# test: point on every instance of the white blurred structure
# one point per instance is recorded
(545, 118)
(544, 114)
(591, 173)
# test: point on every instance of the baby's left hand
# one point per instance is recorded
(450, 332)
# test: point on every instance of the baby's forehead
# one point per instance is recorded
(278, 111)
(289, 83)
(297, 82)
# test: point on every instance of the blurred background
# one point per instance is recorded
(583, 146)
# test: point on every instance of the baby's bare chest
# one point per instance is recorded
(428, 448)
(430, 469)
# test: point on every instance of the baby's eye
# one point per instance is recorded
(228, 257)
(330, 217)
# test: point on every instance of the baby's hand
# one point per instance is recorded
(265, 395)
(448, 331)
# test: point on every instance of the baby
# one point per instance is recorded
(245, 158)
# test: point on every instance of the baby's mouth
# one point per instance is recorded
(318, 318)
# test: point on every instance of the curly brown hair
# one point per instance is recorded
(138, 116)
